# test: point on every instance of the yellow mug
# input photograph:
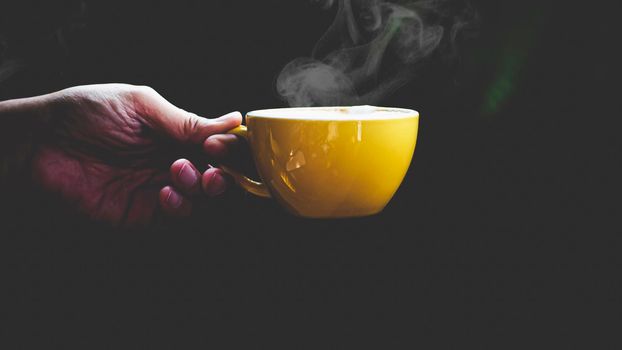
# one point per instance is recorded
(329, 162)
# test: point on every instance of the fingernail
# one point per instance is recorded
(216, 185)
(173, 199)
(187, 176)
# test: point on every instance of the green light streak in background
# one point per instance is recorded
(505, 83)
(514, 55)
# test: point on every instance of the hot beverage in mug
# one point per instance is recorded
(328, 162)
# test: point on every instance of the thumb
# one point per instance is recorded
(190, 128)
(181, 125)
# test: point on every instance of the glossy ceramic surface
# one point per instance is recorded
(329, 167)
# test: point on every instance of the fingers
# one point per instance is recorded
(220, 146)
(185, 177)
(188, 182)
(221, 125)
(174, 203)
(194, 129)
(181, 125)
(187, 128)
(213, 182)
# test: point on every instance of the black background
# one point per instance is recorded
(503, 234)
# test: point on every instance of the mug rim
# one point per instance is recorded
(403, 113)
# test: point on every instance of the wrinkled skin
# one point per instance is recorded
(113, 152)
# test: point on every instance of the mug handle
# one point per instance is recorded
(255, 187)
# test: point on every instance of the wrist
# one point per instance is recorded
(24, 120)
(20, 113)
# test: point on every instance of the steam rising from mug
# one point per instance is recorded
(372, 48)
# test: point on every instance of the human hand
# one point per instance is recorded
(107, 150)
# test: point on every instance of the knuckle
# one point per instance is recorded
(143, 97)
(144, 91)
(190, 127)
